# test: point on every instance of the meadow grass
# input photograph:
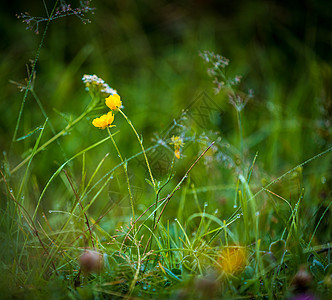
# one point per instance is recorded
(202, 189)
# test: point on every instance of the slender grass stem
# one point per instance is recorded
(239, 122)
(28, 220)
(80, 203)
(30, 160)
(177, 187)
(32, 72)
(281, 177)
(29, 83)
(138, 267)
(60, 169)
(54, 138)
(124, 164)
(141, 144)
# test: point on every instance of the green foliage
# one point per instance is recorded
(211, 185)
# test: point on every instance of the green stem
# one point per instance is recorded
(126, 173)
(177, 187)
(51, 140)
(238, 114)
(232, 93)
(141, 144)
(28, 87)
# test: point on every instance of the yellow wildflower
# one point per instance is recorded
(113, 102)
(104, 121)
(233, 259)
(178, 143)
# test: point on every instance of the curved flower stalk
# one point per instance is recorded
(105, 121)
(113, 101)
(141, 144)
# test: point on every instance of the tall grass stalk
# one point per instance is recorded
(143, 150)
(125, 168)
(89, 108)
(33, 71)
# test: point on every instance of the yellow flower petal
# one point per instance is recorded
(178, 143)
(113, 102)
(104, 121)
(177, 153)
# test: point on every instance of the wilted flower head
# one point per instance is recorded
(104, 121)
(94, 83)
(233, 259)
(113, 102)
(178, 143)
(91, 261)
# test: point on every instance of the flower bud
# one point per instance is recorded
(91, 261)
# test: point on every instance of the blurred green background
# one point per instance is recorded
(148, 51)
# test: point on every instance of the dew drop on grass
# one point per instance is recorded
(216, 211)
(238, 216)
(323, 180)
(175, 219)
(235, 206)
(206, 204)
(257, 213)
